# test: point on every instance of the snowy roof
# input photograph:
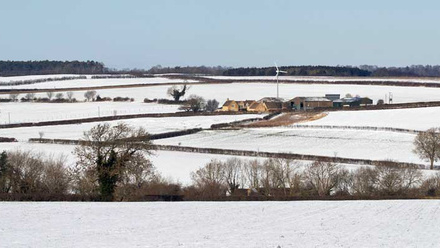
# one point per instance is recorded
(316, 99)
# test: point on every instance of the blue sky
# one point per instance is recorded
(141, 34)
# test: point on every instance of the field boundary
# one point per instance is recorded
(246, 153)
(120, 117)
(367, 128)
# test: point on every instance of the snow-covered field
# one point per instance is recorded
(256, 91)
(415, 118)
(329, 79)
(397, 223)
(36, 112)
(376, 145)
(152, 125)
(77, 83)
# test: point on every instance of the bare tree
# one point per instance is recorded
(233, 173)
(364, 181)
(56, 178)
(27, 172)
(69, 95)
(106, 152)
(13, 97)
(41, 134)
(210, 180)
(49, 95)
(29, 96)
(194, 103)
(177, 92)
(323, 177)
(90, 95)
(252, 173)
(427, 145)
(59, 96)
(212, 105)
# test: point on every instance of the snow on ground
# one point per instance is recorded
(35, 77)
(37, 112)
(394, 223)
(376, 145)
(152, 125)
(77, 83)
(415, 118)
(330, 79)
(256, 91)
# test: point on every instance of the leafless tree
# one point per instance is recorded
(194, 103)
(427, 145)
(233, 173)
(41, 134)
(59, 96)
(13, 97)
(210, 180)
(323, 177)
(90, 95)
(252, 173)
(69, 95)
(49, 95)
(212, 105)
(29, 96)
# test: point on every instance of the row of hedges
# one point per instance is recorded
(41, 80)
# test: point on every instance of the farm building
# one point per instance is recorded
(333, 97)
(308, 103)
(232, 105)
(265, 107)
(352, 102)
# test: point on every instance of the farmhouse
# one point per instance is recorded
(232, 105)
(308, 103)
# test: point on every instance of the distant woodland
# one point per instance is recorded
(19, 68)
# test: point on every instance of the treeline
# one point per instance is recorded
(299, 71)
(26, 175)
(342, 71)
(19, 68)
(205, 70)
(284, 179)
(408, 71)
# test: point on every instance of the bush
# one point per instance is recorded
(123, 99)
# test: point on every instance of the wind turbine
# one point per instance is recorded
(278, 71)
